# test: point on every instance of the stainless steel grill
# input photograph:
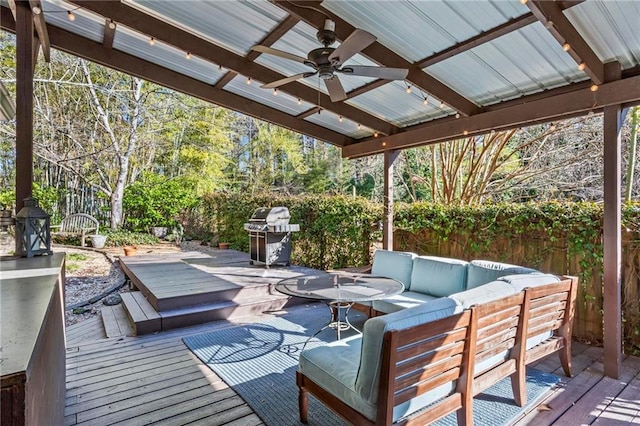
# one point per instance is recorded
(270, 236)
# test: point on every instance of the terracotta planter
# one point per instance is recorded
(223, 246)
(130, 250)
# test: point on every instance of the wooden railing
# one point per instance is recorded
(553, 257)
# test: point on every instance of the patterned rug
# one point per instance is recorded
(259, 361)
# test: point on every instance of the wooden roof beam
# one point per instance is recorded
(487, 36)
(570, 104)
(484, 37)
(164, 31)
(109, 33)
(41, 28)
(96, 52)
(551, 16)
(275, 35)
(383, 56)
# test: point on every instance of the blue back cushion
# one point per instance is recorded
(484, 271)
(438, 276)
(393, 264)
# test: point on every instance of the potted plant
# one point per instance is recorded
(130, 250)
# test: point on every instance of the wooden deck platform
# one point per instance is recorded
(155, 379)
(188, 288)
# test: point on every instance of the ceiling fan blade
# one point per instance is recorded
(377, 72)
(286, 80)
(336, 91)
(357, 40)
(282, 54)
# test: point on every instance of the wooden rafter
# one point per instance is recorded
(487, 36)
(109, 33)
(551, 16)
(275, 35)
(484, 37)
(95, 52)
(181, 39)
(309, 113)
(384, 56)
(41, 28)
(564, 105)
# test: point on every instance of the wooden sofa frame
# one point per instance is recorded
(80, 224)
(461, 342)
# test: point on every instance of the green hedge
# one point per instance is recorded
(335, 231)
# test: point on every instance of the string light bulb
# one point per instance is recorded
(299, 101)
(359, 126)
(465, 133)
(275, 91)
(425, 102)
(71, 16)
(594, 87)
(248, 80)
(566, 47)
(375, 134)
(188, 55)
(152, 41)
(112, 25)
(457, 115)
(582, 66)
(408, 89)
(552, 127)
(340, 118)
(523, 1)
(441, 104)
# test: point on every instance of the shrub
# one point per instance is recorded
(155, 200)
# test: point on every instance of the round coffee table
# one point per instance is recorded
(340, 290)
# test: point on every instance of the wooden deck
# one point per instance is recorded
(155, 379)
(189, 288)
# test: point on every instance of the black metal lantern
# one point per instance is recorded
(33, 230)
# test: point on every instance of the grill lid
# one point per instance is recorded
(271, 216)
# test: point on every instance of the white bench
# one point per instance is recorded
(80, 224)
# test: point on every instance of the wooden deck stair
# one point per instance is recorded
(185, 289)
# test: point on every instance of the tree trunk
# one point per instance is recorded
(632, 154)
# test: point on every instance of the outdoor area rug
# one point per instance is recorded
(259, 361)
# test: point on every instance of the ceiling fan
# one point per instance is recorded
(327, 61)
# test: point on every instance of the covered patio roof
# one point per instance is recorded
(472, 67)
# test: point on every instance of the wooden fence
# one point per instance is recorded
(553, 257)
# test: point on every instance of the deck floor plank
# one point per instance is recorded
(625, 408)
(589, 407)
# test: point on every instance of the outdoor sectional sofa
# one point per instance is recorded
(413, 365)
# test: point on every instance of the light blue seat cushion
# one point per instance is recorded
(520, 282)
(370, 357)
(393, 264)
(492, 291)
(334, 367)
(438, 276)
(483, 271)
(408, 299)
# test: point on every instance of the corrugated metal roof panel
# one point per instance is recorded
(137, 44)
(611, 28)
(520, 63)
(391, 102)
(347, 127)
(417, 29)
(86, 23)
(282, 101)
(232, 24)
(300, 40)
